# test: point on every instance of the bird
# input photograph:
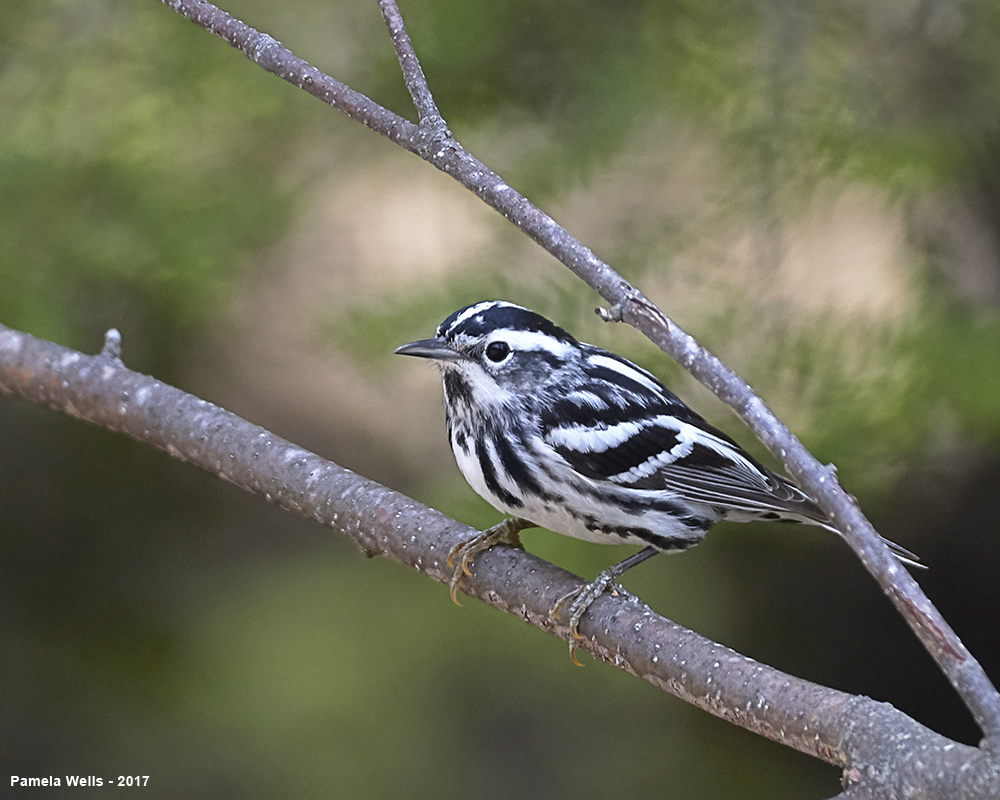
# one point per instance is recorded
(564, 435)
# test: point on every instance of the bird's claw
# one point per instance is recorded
(462, 554)
(580, 600)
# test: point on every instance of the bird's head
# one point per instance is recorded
(494, 352)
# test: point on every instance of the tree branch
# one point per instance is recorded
(271, 56)
(413, 75)
(434, 143)
(855, 733)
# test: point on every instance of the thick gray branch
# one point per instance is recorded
(861, 736)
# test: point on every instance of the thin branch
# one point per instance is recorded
(845, 730)
(413, 75)
(271, 56)
(437, 146)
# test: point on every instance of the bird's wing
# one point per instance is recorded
(672, 449)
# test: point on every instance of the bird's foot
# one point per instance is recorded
(583, 596)
(578, 601)
(462, 554)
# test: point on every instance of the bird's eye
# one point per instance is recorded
(497, 351)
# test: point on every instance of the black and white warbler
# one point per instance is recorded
(569, 437)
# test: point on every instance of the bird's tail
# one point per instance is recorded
(808, 512)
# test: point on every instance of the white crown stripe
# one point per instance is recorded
(471, 311)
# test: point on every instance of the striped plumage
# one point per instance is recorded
(570, 437)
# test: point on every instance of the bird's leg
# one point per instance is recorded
(461, 555)
(583, 596)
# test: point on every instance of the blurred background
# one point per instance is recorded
(811, 189)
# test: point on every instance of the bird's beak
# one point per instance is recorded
(435, 348)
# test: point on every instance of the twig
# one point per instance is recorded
(271, 56)
(413, 75)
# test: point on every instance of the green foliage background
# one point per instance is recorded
(155, 621)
